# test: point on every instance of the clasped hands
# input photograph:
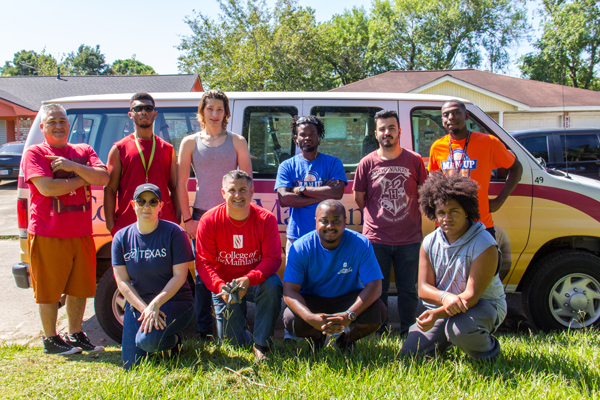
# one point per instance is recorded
(152, 317)
(451, 305)
(330, 323)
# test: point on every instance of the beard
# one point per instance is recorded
(145, 124)
(308, 149)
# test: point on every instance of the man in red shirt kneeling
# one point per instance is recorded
(240, 241)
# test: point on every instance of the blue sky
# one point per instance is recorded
(150, 29)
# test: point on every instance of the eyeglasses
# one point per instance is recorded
(303, 120)
(144, 108)
(152, 202)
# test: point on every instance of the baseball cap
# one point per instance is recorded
(147, 187)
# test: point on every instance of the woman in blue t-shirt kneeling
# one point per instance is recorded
(150, 260)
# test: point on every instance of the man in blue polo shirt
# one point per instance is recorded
(305, 180)
(324, 278)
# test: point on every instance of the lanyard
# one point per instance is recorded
(142, 154)
(464, 153)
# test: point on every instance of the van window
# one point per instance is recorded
(427, 128)
(537, 146)
(349, 133)
(580, 147)
(101, 128)
(267, 130)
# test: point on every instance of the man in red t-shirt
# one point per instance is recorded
(62, 253)
(141, 157)
(385, 188)
(474, 155)
(239, 241)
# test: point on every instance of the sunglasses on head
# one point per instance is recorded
(144, 108)
(304, 120)
(142, 203)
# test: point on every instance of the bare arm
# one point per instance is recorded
(110, 190)
(91, 175)
(294, 300)
(243, 154)
(186, 150)
(514, 176)
(291, 197)
(359, 199)
(173, 187)
(482, 271)
(57, 187)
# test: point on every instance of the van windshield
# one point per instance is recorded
(101, 128)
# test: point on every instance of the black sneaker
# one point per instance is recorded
(343, 345)
(81, 340)
(56, 345)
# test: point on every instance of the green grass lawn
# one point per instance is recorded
(532, 366)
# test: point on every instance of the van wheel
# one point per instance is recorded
(109, 306)
(564, 292)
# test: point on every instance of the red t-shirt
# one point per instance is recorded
(227, 250)
(484, 154)
(67, 216)
(392, 215)
(133, 174)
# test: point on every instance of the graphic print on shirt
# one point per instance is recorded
(310, 179)
(238, 241)
(467, 165)
(393, 201)
(137, 254)
(345, 269)
(73, 201)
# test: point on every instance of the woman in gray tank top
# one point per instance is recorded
(458, 274)
(212, 153)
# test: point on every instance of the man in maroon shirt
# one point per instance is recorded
(239, 241)
(385, 187)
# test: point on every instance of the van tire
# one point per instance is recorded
(564, 282)
(108, 305)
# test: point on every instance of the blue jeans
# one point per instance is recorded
(202, 298)
(231, 323)
(405, 259)
(136, 344)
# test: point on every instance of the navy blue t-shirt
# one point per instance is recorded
(150, 258)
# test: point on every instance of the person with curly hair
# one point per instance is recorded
(458, 274)
(305, 180)
(474, 155)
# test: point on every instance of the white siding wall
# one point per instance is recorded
(525, 121)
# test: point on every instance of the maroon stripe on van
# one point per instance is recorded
(576, 200)
(21, 183)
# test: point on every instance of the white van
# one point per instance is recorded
(553, 220)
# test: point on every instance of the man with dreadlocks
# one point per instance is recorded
(307, 179)
(458, 274)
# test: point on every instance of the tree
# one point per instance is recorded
(252, 47)
(87, 61)
(444, 34)
(349, 47)
(569, 50)
(28, 62)
(131, 66)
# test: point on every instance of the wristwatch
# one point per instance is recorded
(301, 190)
(351, 315)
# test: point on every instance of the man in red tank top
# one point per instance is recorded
(138, 158)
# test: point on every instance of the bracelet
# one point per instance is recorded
(442, 296)
(185, 221)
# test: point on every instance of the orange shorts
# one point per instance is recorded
(60, 266)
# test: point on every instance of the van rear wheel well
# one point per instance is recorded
(103, 261)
